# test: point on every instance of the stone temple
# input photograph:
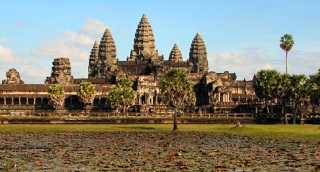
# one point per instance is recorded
(216, 92)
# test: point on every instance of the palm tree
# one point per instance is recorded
(286, 45)
(266, 86)
(283, 91)
(57, 95)
(86, 93)
(177, 91)
(297, 91)
(314, 90)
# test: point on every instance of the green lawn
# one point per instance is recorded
(296, 132)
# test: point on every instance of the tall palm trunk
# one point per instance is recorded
(267, 106)
(286, 62)
(285, 112)
(175, 123)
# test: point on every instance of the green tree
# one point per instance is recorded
(286, 43)
(282, 93)
(177, 91)
(123, 94)
(57, 95)
(86, 93)
(298, 91)
(314, 90)
(266, 86)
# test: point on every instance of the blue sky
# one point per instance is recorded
(240, 36)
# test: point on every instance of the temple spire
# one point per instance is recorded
(107, 48)
(198, 61)
(93, 60)
(175, 54)
(144, 47)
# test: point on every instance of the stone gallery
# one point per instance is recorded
(216, 92)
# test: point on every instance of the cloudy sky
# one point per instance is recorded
(240, 36)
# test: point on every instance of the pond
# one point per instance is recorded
(153, 151)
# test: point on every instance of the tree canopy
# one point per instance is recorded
(177, 91)
(286, 43)
(123, 94)
(57, 95)
(86, 93)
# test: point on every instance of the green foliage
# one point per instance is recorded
(286, 42)
(314, 86)
(266, 84)
(122, 94)
(177, 89)
(86, 93)
(57, 95)
(298, 89)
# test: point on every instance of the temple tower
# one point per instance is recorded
(61, 72)
(93, 60)
(175, 54)
(13, 77)
(107, 62)
(144, 47)
(198, 61)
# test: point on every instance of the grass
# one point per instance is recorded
(294, 132)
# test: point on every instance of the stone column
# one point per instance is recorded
(5, 101)
(12, 101)
(34, 101)
(19, 100)
(27, 103)
(151, 100)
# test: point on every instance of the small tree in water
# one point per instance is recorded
(177, 91)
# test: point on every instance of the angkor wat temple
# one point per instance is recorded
(216, 92)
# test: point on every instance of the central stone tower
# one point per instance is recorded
(144, 47)
(198, 60)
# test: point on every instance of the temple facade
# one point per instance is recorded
(143, 67)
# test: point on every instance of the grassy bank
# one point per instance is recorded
(296, 132)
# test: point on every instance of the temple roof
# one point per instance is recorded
(198, 47)
(107, 48)
(175, 54)
(144, 43)
(198, 55)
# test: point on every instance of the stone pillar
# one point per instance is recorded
(27, 103)
(139, 99)
(34, 101)
(228, 97)
(12, 101)
(19, 100)
(151, 100)
(218, 97)
(5, 101)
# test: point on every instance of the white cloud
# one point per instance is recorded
(244, 63)
(74, 45)
(3, 39)
(93, 27)
(7, 56)
(265, 66)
